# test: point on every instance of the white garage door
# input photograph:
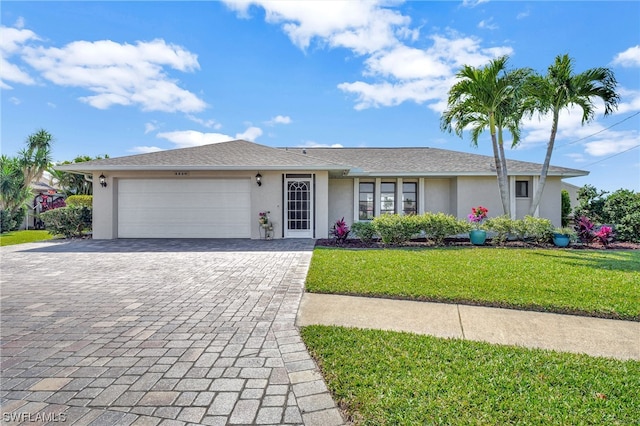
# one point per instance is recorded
(184, 208)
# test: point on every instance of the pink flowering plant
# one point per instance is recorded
(340, 231)
(263, 218)
(478, 214)
(605, 235)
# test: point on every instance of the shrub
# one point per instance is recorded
(565, 209)
(503, 226)
(365, 231)
(438, 226)
(80, 200)
(394, 229)
(605, 235)
(538, 229)
(584, 229)
(622, 208)
(68, 221)
(7, 221)
(340, 231)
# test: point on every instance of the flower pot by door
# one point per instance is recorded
(478, 237)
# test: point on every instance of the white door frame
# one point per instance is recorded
(299, 208)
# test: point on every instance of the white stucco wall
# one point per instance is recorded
(478, 191)
(551, 202)
(437, 195)
(340, 201)
(267, 197)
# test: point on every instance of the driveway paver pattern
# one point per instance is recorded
(147, 332)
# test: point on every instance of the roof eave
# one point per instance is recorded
(114, 168)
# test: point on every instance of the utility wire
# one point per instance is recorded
(611, 156)
(599, 131)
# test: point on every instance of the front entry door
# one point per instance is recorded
(299, 212)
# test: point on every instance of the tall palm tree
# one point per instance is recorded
(36, 157)
(561, 89)
(488, 98)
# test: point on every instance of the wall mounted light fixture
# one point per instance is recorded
(259, 179)
(103, 181)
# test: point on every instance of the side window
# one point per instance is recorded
(522, 188)
(367, 191)
(409, 198)
(387, 198)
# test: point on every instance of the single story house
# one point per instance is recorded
(220, 190)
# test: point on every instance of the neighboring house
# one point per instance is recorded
(45, 197)
(212, 191)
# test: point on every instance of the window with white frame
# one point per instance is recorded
(367, 193)
(387, 198)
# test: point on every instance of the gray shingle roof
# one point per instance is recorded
(233, 155)
(243, 155)
(425, 162)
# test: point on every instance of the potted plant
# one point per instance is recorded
(562, 236)
(478, 215)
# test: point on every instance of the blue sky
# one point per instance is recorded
(122, 78)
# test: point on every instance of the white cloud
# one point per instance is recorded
(189, 138)
(394, 71)
(631, 100)
(524, 14)
(487, 24)
(613, 143)
(15, 100)
(120, 74)
(473, 3)
(52, 105)
(279, 119)
(251, 134)
(576, 157)
(312, 144)
(145, 149)
(363, 26)
(628, 58)
(210, 123)
(12, 41)
(150, 127)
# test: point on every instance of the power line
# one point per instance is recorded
(611, 156)
(599, 131)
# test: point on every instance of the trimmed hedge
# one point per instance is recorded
(69, 221)
(80, 200)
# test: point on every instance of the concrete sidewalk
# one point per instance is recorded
(566, 333)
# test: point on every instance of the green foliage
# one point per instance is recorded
(80, 200)
(503, 226)
(591, 203)
(21, 237)
(438, 226)
(365, 231)
(538, 229)
(622, 208)
(539, 279)
(565, 209)
(394, 229)
(69, 221)
(408, 379)
(72, 183)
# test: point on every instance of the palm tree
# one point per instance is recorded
(488, 98)
(560, 89)
(36, 157)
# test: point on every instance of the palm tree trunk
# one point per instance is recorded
(545, 166)
(500, 168)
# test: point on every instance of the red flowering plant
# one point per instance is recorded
(478, 214)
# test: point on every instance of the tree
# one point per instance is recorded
(488, 98)
(565, 209)
(73, 183)
(36, 157)
(561, 89)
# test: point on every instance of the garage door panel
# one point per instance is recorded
(175, 208)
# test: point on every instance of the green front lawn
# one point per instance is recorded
(598, 283)
(21, 237)
(406, 379)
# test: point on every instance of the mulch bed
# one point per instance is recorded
(354, 243)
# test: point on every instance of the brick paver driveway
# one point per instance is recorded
(157, 332)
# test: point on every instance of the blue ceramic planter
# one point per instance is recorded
(561, 240)
(478, 237)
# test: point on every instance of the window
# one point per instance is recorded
(387, 198)
(366, 200)
(409, 198)
(522, 188)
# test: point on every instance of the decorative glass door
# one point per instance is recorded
(299, 213)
